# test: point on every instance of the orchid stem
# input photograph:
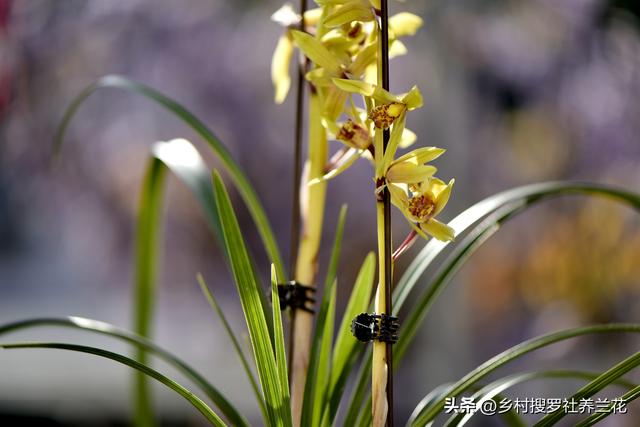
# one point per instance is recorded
(382, 376)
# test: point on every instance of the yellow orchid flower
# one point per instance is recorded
(287, 17)
(411, 168)
(316, 51)
(350, 11)
(390, 106)
(329, 63)
(354, 135)
(421, 203)
(404, 24)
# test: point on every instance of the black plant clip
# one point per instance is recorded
(296, 296)
(381, 327)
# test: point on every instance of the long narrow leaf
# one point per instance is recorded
(147, 252)
(510, 417)
(360, 393)
(448, 269)
(629, 396)
(251, 298)
(315, 386)
(95, 326)
(239, 178)
(600, 382)
(429, 399)
(324, 355)
(493, 390)
(182, 391)
(347, 348)
(236, 345)
(281, 356)
(184, 160)
(514, 353)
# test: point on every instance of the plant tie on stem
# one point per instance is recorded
(381, 327)
(296, 296)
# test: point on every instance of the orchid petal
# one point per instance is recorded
(350, 12)
(404, 24)
(409, 173)
(438, 230)
(280, 68)
(316, 51)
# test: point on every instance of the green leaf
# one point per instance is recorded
(347, 348)
(600, 382)
(360, 392)
(429, 399)
(324, 356)
(449, 267)
(192, 175)
(332, 270)
(281, 356)
(509, 417)
(146, 256)
(251, 298)
(629, 396)
(238, 177)
(236, 345)
(494, 389)
(182, 391)
(320, 356)
(184, 160)
(95, 326)
(430, 412)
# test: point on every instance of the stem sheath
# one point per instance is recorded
(313, 202)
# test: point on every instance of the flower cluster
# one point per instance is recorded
(341, 42)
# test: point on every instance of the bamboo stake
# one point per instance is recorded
(297, 154)
(297, 178)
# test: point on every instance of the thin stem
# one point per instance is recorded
(297, 153)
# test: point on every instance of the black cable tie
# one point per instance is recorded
(296, 296)
(380, 327)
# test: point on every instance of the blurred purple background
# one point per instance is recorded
(518, 91)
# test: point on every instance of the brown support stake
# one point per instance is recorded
(386, 199)
(297, 175)
(297, 154)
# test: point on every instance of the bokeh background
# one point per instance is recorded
(518, 91)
